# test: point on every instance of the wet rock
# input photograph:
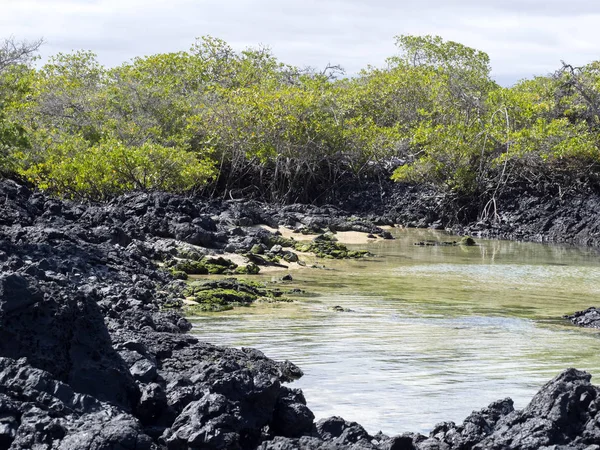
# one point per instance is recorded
(291, 417)
(338, 308)
(589, 318)
(467, 241)
(386, 235)
(221, 294)
(289, 371)
(433, 243)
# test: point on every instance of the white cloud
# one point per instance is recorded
(523, 37)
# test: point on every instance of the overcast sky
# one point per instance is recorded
(522, 37)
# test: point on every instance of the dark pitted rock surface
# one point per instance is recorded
(543, 215)
(589, 318)
(91, 358)
(566, 211)
(37, 411)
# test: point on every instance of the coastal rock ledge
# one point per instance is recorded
(91, 357)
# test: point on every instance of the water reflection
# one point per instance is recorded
(434, 332)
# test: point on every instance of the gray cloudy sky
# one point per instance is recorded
(522, 37)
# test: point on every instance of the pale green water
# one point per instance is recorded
(435, 332)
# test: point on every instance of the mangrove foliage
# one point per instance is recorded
(242, 123)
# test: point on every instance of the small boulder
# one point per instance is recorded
(17, 292)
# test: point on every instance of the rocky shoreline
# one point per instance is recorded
(94, 355)
(539, 213)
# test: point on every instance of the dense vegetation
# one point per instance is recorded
(243, 123)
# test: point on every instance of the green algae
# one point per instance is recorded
(326, 246)
(227, 293)
(209, 266)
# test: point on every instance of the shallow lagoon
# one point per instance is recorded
(433, 332)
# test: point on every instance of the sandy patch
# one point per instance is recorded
(343, 237)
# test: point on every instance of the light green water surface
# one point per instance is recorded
(433, 332)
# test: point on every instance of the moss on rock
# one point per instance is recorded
(179, 274)
(257, 249)
(220, 295)
(324, 246)
(190, 267)
(250, 269)
(212, 266)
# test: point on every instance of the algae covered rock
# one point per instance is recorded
(250, 269)
(224, 294)
(326, 246)
(209, 266)
(189, 267)
(179, 274)
(290, 257)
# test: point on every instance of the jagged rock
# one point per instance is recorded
(589, 318)
(38, 411)
(212, 422)
(65, 335)
(563, 412)
(291, 417)
(337, 429)
(17, 292)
